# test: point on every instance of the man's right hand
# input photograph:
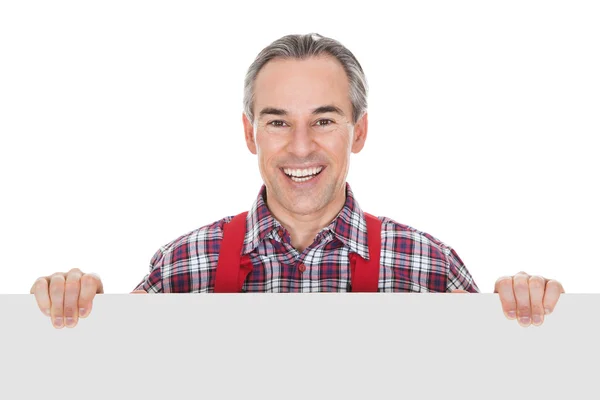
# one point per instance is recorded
(66, 297)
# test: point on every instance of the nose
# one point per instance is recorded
(301, 142)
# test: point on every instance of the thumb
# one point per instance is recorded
(459, 291)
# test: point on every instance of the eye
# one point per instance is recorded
(324, 122)
(277, 123)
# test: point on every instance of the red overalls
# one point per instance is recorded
(232, 268)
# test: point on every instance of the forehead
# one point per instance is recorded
(300, 85)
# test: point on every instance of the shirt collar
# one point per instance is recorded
(349, 226)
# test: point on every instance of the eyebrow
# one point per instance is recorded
(272, 111)
(328, 109)
(318, 110)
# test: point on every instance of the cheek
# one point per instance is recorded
(267, 150)
(337, 147)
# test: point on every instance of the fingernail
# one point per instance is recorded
(511, 314)
(537, 320)
(81, 311)
(548, 311)
(58, 322)
(69, 321)
(524, 320)
(47, 312)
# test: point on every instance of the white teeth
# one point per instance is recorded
(301, 179)
(302, 172)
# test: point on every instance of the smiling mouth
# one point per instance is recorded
(302, 175)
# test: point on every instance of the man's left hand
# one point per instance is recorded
(528, 298)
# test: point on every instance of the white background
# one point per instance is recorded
(121, 128)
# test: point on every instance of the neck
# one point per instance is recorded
(303, 228)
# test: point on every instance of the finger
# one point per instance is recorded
(57, 293)
(521, 289)
(553, 292)
(90, 286)
(139, 292)
(42, 297)
(537, 286)
(504, 288)
(71, 306)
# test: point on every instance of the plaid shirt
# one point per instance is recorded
(411, 261)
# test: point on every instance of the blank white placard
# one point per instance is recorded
(300, 346)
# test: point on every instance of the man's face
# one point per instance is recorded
(303, 133)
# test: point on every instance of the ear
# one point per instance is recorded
(249, 134)
(360, 133)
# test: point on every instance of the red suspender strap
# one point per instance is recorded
(232, 268)
(364, 275)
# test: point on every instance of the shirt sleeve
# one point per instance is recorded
(458, 275)
(152, 282)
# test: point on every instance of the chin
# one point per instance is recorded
(304, 207)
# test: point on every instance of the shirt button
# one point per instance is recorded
(302, 267)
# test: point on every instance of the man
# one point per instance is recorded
(305, 111)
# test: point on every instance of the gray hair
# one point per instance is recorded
(302, 47)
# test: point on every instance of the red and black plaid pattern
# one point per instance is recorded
(411, 261)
